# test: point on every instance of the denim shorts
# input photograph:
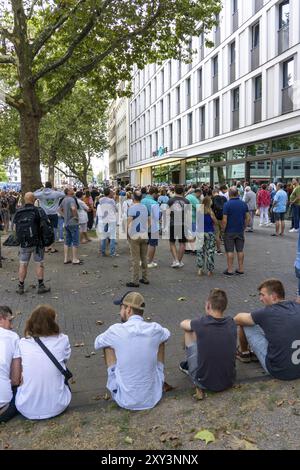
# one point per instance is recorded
(258, 343)
(192, 359)
(25, 254)
(72, 235)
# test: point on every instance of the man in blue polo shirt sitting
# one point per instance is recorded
(235, 219)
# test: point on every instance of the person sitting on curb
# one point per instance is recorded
(272, 332)
(210, 343)
(10, 365)
(134, 356)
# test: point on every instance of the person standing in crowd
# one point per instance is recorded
(178, 227)
(250, 200)
(153, 234)
(295, 201)
(272, 191)
(88, 200)
(12, 200)
(297, 269)
(82, 218)
(279, 209)
(43, 393)
(210, 343)
(272, 333)
(235, 220)
(224, 191)
(134, 354)
(206, 254)
(138, 222)
(10, 365)
(254, 186)
(69, 210)
(107, 222)
(49, 201)
(195, 200)
(125, 206)
(27, 221)
(263, 204)
(4, 209)
(218, 202)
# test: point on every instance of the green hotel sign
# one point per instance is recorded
(160, 152)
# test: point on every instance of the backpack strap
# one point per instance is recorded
(52, 358)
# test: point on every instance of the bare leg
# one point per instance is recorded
(277, 227)
(109, 357)
(151, 253)
(75, 254)
(282, 227)
(244, 347)
(22, 272)
(181, 251)
(66, 250)
(230, 258)
(39, 269)
(240, 257)
(173, 251)
(161, 353)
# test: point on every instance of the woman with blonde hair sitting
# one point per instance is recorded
(43, 392)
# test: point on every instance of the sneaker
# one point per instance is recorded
(143, 281)
(43, 289)
(181, 264)
(175, 264)
(243, 356)
(253, 357)
(61, 240)
(261, 225)
(294, 230)
(152, 265)
(184, 367)
(219, 252)
(132, 284)
(20, 290)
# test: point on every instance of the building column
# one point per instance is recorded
(211, 176)
(182, 172)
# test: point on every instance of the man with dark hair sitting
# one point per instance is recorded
(210, 343)
(134, 355)
(272, 332)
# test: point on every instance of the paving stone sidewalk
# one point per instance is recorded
(82, 296)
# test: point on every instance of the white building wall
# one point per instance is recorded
(270, 68)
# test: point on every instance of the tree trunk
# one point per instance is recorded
(221, 177)
(51, 165)
(30, 151)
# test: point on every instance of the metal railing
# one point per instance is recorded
(257, 110)
(283, 39)
(255, 58)
(287, 101)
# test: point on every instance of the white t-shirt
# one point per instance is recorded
(138, 376)
(43, 393)
(9, 350)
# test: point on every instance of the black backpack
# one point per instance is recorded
(218, 204)
(47, 237)
(27, 227)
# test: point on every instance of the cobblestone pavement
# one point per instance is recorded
(82, 296)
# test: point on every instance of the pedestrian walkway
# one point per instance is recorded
(82, 296)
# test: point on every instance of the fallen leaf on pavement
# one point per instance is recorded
(205, 435)
(181, 299)
(128, 440)
(279, 403)
(99, 322)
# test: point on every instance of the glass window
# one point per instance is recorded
(217, 108)
(232, 52)
(288, 73)
(262, 148)
(284, 14)
(258, 87)
(215, 66)
(236, 99)
(255, 36)
(289, 143)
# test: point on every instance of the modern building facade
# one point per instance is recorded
(118, 131)
(233, 112)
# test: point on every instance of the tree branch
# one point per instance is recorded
(88, 67)
(64, 173)
(51, 29)
(78, 39)
(6, 59)
(6, 34)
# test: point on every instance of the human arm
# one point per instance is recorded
(186, 325)
(244, 319)
(224, 222)
(16, 371)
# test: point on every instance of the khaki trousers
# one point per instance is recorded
(138, 251)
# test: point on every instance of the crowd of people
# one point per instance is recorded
(197, 220)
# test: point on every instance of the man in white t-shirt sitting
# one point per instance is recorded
(10, 365)
(134, 356)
